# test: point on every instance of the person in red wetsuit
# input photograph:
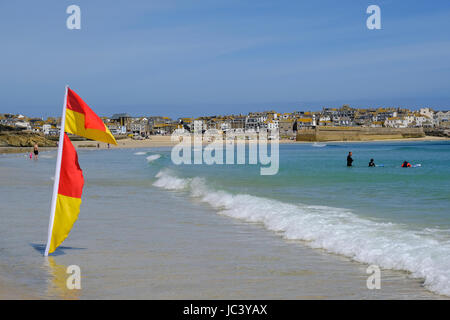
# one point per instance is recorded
(406, 164)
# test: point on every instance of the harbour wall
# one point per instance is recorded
(357, 134)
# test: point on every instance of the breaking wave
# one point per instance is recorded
(153, 157)
(319, 145)
(337, 230)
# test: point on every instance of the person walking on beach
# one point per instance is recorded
(36, 151)
(349, 159)
(371, 163)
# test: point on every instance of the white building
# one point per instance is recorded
(117, 129)
(396, 122)
(23, 125)
(272, 124)
(199, 126)
(46, 128)
(417, 120)
(325, 118)
(427, 112)
(225, 126)
(442, 118)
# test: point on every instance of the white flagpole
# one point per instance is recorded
(57, 171)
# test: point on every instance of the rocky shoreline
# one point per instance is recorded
(12, 137)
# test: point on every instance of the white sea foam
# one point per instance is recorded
(336, 230)
(169, 182)
(140, 153)
(319, 145)
(153, 157)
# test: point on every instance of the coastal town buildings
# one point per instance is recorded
(286, 123)
(442, 119)
(122, 119)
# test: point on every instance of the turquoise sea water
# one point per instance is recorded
(140, 214)
(418, 197)
(397, 218)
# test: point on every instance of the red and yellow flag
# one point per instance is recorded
(68, 199)
(83, 122)
(80, 120)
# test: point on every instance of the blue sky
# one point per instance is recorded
(206, 57)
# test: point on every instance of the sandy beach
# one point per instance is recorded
(165, 141)
(145, 230)
(11, 291)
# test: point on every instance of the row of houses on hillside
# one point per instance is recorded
(286, 123)
(38, 125)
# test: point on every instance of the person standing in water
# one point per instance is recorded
(36, 151)
(371, 163)
(349, 159)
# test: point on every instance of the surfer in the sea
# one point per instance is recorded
(349, 159)
(406, 164)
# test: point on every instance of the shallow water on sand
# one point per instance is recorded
(149, 229)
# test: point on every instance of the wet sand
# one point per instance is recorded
(10, 291)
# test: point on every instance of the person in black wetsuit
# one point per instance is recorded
(349, 159)
(371, 163)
